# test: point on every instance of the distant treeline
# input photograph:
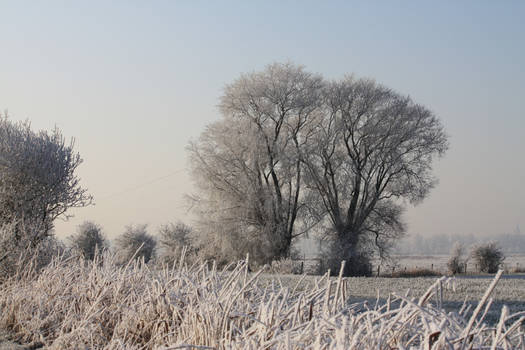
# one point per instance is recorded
(511, 243)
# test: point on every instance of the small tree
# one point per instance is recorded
(89, 240)
(247, 165)
(37, 180)
(37, 185)
(487, 256)
(172, 239)
(457, 262)
(135, 242)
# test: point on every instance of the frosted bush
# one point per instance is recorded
(38, 181)
(457, 262)
(286, 266)
(88, 240)
(136, 243)
(18, 251)
(173, 239)
(487, 256)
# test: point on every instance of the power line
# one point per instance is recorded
(143, 184)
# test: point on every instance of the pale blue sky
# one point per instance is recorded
(133, 81)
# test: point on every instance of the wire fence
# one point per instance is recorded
(317, 266)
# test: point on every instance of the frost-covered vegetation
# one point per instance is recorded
(38, 184)
(488, 257)
(75, 303)
(296, 153)
(510, 243)
(293, 153)
(457, 262)
(89, 240)
(135, 242)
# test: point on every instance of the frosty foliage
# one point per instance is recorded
(37, 178)
(285, 266)
(488, 256)
(457, 262)
(248, 165)
(18, 252)
(102, 305)
(37, 184)
(136, 243)
(89, 240)
(295, 153)
(172, 239)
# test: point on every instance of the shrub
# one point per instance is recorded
(173, 238)
(37, 179)
(456, 263)
(286, 266)
(135, 242)
(18, 254)
(38, 183)
(517, 269)
(49, 248)
(487, 256)
(89, 240)
(416, 272)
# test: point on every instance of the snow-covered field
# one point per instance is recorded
(74, 304)
(439, 262)
(508, 291)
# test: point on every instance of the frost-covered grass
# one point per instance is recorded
(73, 304)
(469, 290)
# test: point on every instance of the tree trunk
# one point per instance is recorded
(345, 247)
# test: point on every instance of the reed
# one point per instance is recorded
(78, 304)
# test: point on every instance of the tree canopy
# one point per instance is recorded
(294, 151)
(38, 180)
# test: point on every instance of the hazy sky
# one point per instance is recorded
(134, 81)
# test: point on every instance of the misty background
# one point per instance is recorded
(135, 82)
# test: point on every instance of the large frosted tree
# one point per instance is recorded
(293, 149)
(248, 164)
(372, 152)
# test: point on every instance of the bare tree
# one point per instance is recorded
(293, 150)
(136, 243)
(372, 150)
(249, 162)
(89, 240)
